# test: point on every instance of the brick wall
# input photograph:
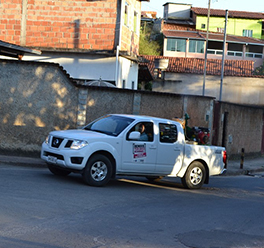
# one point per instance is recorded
(60, 24)
(71, 24)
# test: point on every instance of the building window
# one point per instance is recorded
(178, 45)
(124, 84)
(247, 33)
(126, 14)
(135, 28)
(220, 30)
(196, 46)
(133, 85)
(202, 25)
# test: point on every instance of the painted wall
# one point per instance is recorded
(177, 11)
(235, 26)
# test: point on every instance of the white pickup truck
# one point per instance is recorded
(131, 145)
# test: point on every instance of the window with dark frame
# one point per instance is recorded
(168, 133)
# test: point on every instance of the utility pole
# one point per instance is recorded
(223, 57)
(206, 46)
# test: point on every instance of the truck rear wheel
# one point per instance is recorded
(195, 176)
(98, 170)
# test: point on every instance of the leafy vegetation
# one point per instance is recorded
(259, 70)
(148, 45)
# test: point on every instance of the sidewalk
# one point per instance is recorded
(250, 166)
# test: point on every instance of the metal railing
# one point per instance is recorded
(236, 53)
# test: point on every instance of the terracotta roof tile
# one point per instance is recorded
(239, 68)
(231, 13)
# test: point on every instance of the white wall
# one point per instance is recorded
(177, 11)
(93, 67)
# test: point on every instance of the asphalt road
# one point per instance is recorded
(39, 210)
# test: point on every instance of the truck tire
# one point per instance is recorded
(57, 171)
(195, 176)
(98, 170)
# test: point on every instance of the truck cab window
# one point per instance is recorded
(168, 133)
(145, 129)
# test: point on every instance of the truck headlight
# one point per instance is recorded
(47, 139)
(78, 144)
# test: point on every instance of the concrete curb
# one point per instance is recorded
(23, 161)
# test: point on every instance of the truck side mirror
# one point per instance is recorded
(135, 135)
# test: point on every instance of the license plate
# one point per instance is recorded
(52, 159)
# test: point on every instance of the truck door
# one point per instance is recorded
(170, 150)
(139, 156)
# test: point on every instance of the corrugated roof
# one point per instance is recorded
(231, 13)
(12, 50)
(239, 68)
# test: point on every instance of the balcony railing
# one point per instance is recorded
(236, 53)
(254, 55)
(215, 52)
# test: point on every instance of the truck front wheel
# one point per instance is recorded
(98, 171)
(195, 176)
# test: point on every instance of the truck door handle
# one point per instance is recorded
(152, 147)
(177, 149)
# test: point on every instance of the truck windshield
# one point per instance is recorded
(110, 124)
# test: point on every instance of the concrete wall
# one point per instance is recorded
(240, 90)
(102, 101)
(37, 98)
(243, 128)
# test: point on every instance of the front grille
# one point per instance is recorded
(60, 157)
(56, 142)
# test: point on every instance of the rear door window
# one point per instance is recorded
(167, 133)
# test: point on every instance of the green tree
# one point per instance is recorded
(148, 46)
(259, 70)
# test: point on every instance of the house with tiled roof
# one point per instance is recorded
(184, 29)
(184, 52)
(240, 23)
(92, 40)
(186, 76)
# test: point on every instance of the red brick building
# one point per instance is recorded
(78, 34)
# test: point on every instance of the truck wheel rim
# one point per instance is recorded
(99, 171)
(196, 175)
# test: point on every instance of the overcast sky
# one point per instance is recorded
(241, 5)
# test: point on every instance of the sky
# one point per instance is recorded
(240, 5)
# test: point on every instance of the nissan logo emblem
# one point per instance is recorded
(56, 142)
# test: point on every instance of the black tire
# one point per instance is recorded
(57, 171)
(195, 176)
(98, 171)
(154, 178)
